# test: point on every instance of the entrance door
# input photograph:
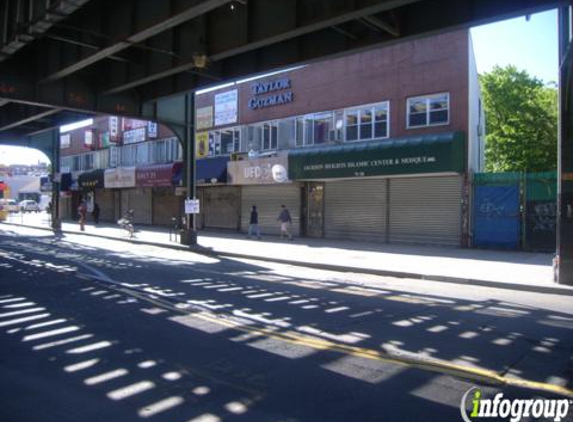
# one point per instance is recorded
(315, 216)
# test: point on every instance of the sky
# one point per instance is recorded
(530, 45)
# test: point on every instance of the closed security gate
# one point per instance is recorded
(426, 210)
(496, 216)
(105, 200)
(139, 200)
(356, 209)
(165, 206)
(221, 207)
(268, 199)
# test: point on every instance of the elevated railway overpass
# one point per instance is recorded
(64, 60)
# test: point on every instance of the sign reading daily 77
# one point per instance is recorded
(429, 154)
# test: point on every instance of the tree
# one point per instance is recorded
(521, 121)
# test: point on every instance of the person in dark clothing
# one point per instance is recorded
(285, 220)
(95, 213)
(82, 211)
(254, 223)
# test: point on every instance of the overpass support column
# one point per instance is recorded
(565, 152)
(178, 112)
(56, 221)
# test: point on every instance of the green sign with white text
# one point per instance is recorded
(416, 155)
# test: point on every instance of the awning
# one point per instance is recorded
(91, 179)
(157, 175)
(435, 153)
(212, 169)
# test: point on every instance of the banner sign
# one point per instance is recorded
(114, 129)
(65, 141)
(204, 118)
(258, 171)
(226, 108)
(134, 136)
(202, 144)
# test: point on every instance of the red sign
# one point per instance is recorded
(155, 175)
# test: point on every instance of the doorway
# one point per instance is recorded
(315, 210)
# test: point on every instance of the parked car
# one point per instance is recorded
(10, 205)
(29, 205)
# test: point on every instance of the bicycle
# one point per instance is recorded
(126, 223)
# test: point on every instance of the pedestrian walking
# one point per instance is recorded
(285, 221)
(95, 213)
(82, 211)
(254, 223)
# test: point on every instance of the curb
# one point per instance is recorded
(329, 267)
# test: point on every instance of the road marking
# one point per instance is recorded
(486, 376)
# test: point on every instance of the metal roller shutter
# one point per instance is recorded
(105, 200)
(426, 210)
(268, 200)
(165, 206)
(356, 209)
(221, 207)
(140, 201)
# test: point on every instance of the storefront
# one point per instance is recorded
(220, 204)
(89, 183)
(395, 190)
(158, 179)
(126, 196)
(264, 182)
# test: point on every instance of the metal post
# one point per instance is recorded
(189, 237)
(565, 156)
(55, 217)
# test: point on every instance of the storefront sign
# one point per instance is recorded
(134, 136)
(130, 124)
(156, 175)
(114, 129)
(204, 117)
(427, 154)
(259, 100)
(65, 141)
(152, 129)
(202, 144)
(91, 180)
(88, 139)
(226, 108)
(121, 177)
(258, 171)
(211, 170)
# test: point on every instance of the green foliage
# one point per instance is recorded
(521, 121)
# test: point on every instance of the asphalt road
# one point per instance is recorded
(98, 330)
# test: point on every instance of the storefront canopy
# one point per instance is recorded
(413, 155)
(91, 180)
(158, 175)
(212, 169)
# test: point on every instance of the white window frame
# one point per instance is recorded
(372, 108)
(427, 99)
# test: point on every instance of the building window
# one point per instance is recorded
(365, 123)
(429, 110)
(224, 141)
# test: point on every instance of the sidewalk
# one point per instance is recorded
(503, 269)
